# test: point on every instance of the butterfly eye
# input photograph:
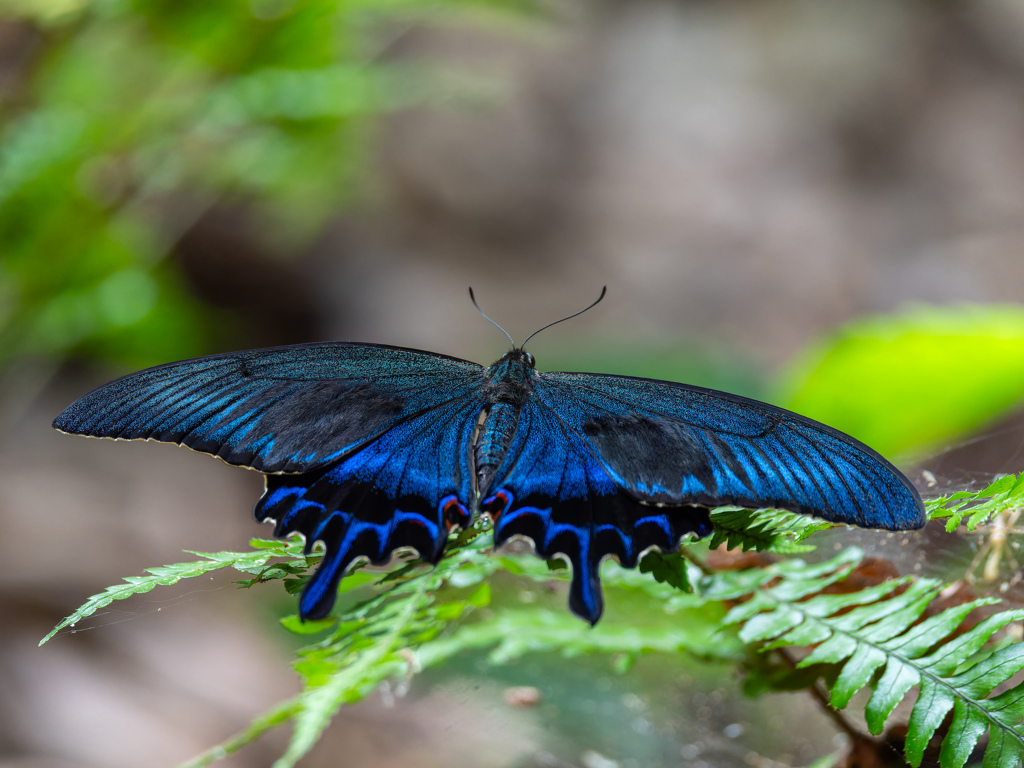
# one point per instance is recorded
(529, 360)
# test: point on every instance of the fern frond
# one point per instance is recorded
(372, 641)
(764, 530)
(671, 569)
(880, 629)
(251, 562)
(978, 507)
(413, 617)
(514, 633)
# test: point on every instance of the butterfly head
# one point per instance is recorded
(516, 364)
(510, 376)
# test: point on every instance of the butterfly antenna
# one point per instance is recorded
(473, 299)
(570, 317)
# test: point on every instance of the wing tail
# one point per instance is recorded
(586, 530)
(354, 519)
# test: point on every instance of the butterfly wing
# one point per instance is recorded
(378, 439)
(401, 489)
(611, 465)
(286, 409)
(553, 489)
(374, 440)
(669, 443)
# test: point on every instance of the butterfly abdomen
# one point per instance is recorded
(508, 384)
(492, 442)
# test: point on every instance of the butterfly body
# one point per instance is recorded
(368, 449)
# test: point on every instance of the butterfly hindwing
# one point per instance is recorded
(287, 409)
(553, 490)
(401, 489)
(673, 444)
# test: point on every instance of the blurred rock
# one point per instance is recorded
(744, 173)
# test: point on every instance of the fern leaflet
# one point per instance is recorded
(978, 507)
(252, 562)
(764, 530)
(881, 628)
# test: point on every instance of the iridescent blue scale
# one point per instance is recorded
(370, 448)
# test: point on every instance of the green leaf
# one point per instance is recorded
(899, 677)
(415, 617)
(513, 633)
(1002, 495)
(828, 761)
(668, 569)
(481, 596)
(764, 530)
(374, 638)
(246, 562)
(449, 611)
(299, 627)
(856, 673)
(875, 378)
(1005, 749)
(879, 629)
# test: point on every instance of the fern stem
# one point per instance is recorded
(822, 698)
(317, 706)
(265, 722)
(688, 555)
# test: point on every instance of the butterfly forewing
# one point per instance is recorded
(669, 443)
(288, 409)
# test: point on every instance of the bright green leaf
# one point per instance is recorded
(296, 625)
(875, 379)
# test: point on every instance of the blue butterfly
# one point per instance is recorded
(369, 448)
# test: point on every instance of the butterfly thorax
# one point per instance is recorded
(507, 385)
(510, 379)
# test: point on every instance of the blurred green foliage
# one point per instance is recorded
(912, 380)
(124, 121)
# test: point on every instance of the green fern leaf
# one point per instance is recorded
(764, 530)
(879, 629)
(253, 562)
(373, 639)
(978, 507)
(965, 693)
(671, 569)
(513, 633)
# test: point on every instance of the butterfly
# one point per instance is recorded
(371, 448)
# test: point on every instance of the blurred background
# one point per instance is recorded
(746, 177)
